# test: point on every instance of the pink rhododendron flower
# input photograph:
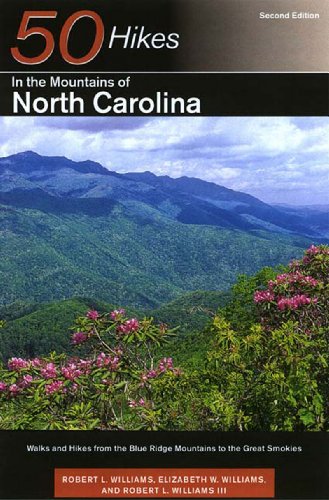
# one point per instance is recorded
(26, 381)
(149, 375)
(78, 338)
(36, 362)
(3, 386)
(17, 364)
(71, 371)
(55, 386)
(100, 359)
(263, 296)
(291, 278)
(165, 364)
(310, 281)
(92, 315)
(84, 365)
(117, 314)
(131, 325)
(134, 404)
(50, 371)
(294, 264)
(313, 250)
(294, 302)
(14, 389)
(111, 362)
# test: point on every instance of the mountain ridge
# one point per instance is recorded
(66, 233)
(186, 199)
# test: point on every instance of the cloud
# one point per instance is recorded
(94, 124)
(278, 159)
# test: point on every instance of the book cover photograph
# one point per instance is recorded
(164, 249)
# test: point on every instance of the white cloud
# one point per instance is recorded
(263, 156)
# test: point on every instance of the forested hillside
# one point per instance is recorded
(76, 229)
(259, 362)
(37, 329)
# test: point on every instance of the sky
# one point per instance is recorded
(277, 159)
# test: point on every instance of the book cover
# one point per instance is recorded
(164, 249)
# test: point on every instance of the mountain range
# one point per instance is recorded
(77, 229)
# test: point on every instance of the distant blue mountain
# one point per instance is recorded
(187, 200)
(76, 229)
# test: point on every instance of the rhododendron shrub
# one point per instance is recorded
(300, 295)
(273, 375)
(268, 372)
(111, 388)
